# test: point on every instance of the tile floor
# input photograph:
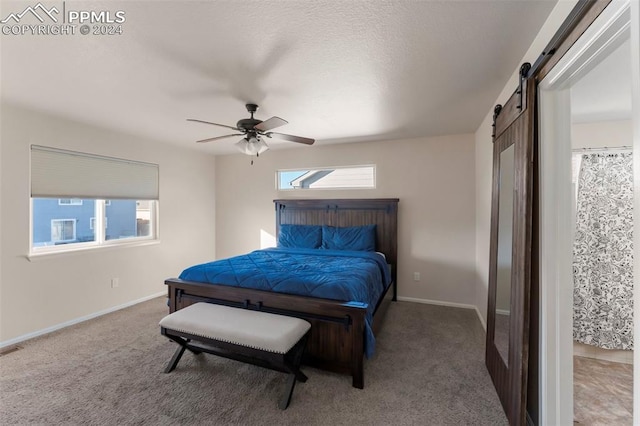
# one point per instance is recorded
(602, 392)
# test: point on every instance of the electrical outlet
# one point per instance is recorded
(416, 276)
(115, 282)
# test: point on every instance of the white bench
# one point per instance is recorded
(268, 340)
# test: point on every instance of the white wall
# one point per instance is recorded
(599, 134)
(43, 293)
(484, 159)
(432, 177)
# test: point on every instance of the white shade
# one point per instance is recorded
(68, 174)
(252, 146)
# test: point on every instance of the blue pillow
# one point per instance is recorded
(358, 238)
(300, 236)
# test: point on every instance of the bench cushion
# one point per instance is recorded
(253, 329)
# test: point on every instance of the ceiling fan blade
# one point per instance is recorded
(215, 124)
(292, 138)
(269, 124)
(219, 137)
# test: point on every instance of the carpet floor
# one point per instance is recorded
(428, 370)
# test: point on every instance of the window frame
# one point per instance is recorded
(322, 168)
(92, 223)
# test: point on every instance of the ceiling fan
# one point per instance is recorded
(254, 132)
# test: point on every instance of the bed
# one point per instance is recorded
(341, 329)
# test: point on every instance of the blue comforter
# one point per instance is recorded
(350, 276)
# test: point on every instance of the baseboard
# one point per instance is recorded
(484, 324)
(611, 355)
(441, 303)
(56, 327)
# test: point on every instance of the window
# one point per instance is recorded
(54, 223)
(83, 200)
(128, 219)
(91, 223)
(352, 177)
(69, 202)
(63, 230)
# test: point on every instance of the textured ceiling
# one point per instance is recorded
(338, 71)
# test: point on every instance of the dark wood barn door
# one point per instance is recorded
(508, 314)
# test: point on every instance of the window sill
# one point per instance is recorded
(32, 257)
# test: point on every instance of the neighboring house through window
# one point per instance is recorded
(63, 230)
(122, 219)
(92, 221)
(350, 177)
(69, 202)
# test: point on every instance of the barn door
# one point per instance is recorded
(507, 351)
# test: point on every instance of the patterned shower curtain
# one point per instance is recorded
(603, 252)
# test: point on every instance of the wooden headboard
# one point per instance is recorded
(383, 212)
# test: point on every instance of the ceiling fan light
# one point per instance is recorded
(251, 146)
(243, 146)
(261, 145)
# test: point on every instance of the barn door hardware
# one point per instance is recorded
(496, 113)
(524, 73)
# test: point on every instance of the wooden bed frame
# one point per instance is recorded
(336, 341)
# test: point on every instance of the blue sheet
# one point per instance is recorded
(350, 276)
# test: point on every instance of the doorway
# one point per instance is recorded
(574, 111)
(602, 221)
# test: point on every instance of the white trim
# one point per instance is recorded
(482, 321)
(75, 321)
(99, 230)
(600, 39)
(441, 303)
(556, 377)
(635, 109)
(436, 302)
(607, 32)
(75, 249)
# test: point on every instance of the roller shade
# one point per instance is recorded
(59, 173)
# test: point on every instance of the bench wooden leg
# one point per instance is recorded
(292, 363)
(175, 359)
(291, 384)
(300, 376)
(184, 344)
